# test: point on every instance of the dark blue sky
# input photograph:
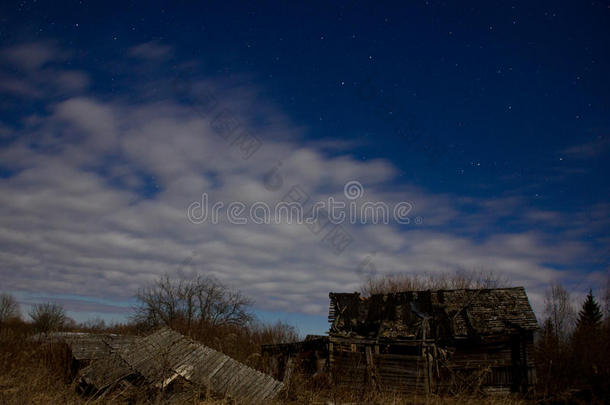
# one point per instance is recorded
(437, 87)
(502, 108)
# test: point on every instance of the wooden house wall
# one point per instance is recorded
(492, 367)
(384, 371)
(349, 369)
(401, 373)
(476, 366)
(392, 373)
(470, 366)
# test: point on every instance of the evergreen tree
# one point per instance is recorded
(590, 315)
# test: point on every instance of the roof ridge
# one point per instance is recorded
(433, 290)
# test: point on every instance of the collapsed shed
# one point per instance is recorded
(167, 356)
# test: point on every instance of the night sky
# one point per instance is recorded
(491, 118)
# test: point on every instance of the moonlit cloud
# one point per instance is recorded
(34, 70)
(587, 150)
(34, 55)
(152, 50)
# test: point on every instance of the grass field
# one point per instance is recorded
(41, 374)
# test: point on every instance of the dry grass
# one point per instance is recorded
(34, 374)
(346, 398)
(394, 283)
(305, 391)
(31, 373)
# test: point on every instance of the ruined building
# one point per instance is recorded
(424, 341)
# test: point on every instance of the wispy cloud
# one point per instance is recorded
(153, 50)
(34, 55)
(34, 70)
(97, 202)
(597, 147)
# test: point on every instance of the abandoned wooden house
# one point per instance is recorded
(428, 341)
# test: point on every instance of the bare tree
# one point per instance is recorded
(444, 281)
(202, 301)
(96, 324)
(48, 317)
(559, 309)
(9, 307)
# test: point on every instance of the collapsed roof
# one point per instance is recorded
(165, 355)
(441, 314)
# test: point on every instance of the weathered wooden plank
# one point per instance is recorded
(240, 384)
(164, 355)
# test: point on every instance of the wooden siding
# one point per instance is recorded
(361, 366)
(431, 368)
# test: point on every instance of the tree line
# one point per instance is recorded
(202, 308)
(572, 344)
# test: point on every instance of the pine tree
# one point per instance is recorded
(590, 316)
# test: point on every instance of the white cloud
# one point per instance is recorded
(74, 219)
(590, 149)
(72, 80)
(38, 73)
(93, 119)
(33, 55)
(152, 50)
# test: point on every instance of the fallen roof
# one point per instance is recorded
(457, 313)
(166, 355)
